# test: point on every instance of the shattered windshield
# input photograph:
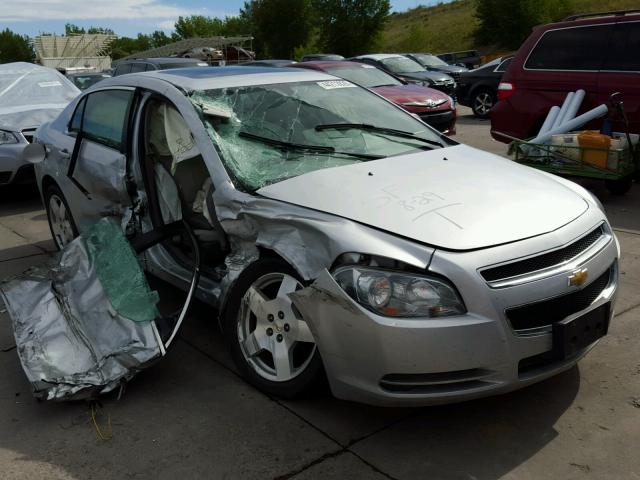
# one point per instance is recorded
(268, 133)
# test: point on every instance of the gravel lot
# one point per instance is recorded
(191, 416)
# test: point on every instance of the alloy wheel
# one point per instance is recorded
(60, 221)
(483, 103)
(274, 338)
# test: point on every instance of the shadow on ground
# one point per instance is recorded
(190, 414)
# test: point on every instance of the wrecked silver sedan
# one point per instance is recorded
(336, 233)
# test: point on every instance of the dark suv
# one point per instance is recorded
(597, 53)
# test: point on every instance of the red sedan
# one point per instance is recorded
(435, 108)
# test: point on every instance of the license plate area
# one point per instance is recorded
(571, 336)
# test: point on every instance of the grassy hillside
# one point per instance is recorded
(449, 26)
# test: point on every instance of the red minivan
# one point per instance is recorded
(597, 53)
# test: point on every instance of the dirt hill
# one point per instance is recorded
(449, 26)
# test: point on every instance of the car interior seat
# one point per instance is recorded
(180, 173)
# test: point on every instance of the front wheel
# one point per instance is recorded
(63, 228)
(270, 341)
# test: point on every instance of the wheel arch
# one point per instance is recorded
(481, 87)
(264, 253)
(48, 181)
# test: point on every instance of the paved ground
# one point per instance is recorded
(191, 416)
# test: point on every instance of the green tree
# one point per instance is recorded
(15, 47)
(198, 26)
(125, 46)
(507, 23)
(95, 30)
(72, 29)
(279, 25)
(350, 27)
(159, 39)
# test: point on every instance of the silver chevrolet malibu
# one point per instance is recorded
(337, 234)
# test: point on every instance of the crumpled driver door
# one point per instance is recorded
(89, 322)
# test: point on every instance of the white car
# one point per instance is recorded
(29, 96)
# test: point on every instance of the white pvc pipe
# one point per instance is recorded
(563, 110)
(572, 124)
(549, 121)
(574, 106)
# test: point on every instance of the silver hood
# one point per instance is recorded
(456, 198)
(28, 117)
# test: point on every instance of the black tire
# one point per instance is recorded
(310, 378)
(619, 187)
(49, 192)
(482, 102)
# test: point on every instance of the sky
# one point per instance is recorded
(125, 17)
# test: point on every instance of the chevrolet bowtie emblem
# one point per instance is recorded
(578, 278)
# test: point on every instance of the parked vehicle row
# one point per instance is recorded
(409, 71)
(433, 107)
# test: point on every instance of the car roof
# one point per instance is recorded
(204, 78)
(601, 17)
(268, 61)
(322, 64)
(162, 60)
(87, 74)
(380, 56)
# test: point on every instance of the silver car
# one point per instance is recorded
(29, 96)
(338, 234)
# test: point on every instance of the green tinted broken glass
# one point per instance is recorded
(120, 274)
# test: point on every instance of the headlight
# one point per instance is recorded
(7, 137)
(398, 294)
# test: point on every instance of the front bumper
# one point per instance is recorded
(391, 361)
(11, 163)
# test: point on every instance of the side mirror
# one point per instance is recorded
(34, 153)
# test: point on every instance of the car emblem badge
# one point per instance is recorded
(578, 277)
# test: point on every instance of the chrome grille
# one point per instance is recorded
(547, 312)
(546, 260)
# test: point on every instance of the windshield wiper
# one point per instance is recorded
(309, 148)
(373, 128)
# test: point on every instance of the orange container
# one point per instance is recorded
(595, 147)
